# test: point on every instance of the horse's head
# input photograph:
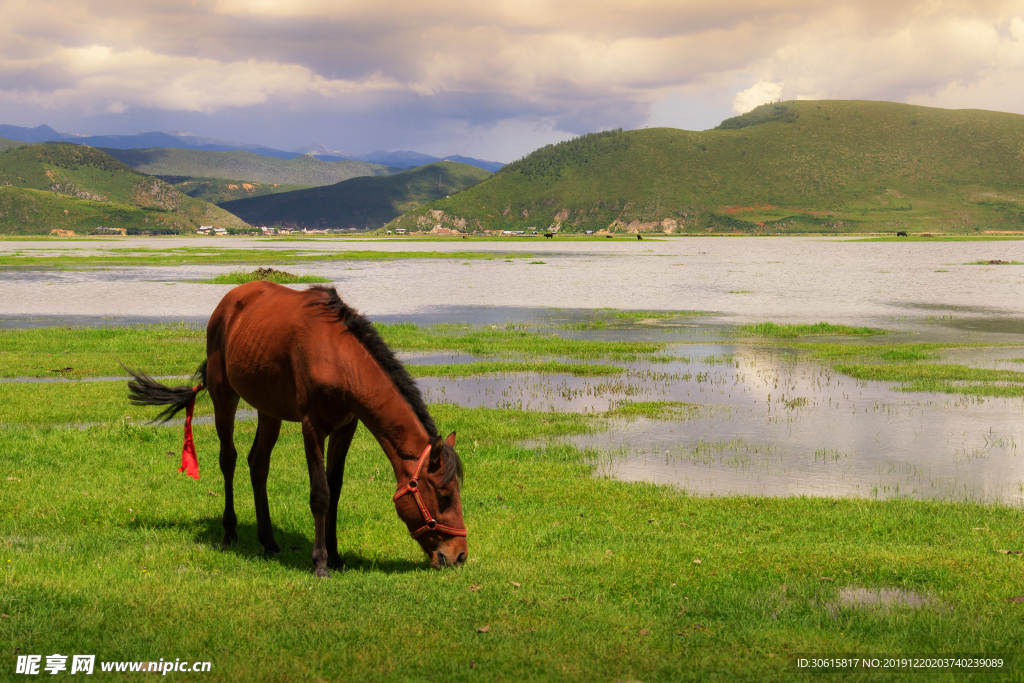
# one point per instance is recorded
(430, 506)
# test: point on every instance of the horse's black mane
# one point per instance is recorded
(367, 335)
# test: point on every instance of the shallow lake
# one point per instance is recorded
(772, 424)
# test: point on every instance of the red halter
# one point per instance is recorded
(414, 488)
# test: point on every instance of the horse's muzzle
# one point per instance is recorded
(451, 554)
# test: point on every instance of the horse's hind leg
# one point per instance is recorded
(267, 431)
(337, 450)
(319, 492)
(225, 403)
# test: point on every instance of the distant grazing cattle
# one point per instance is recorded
(639, 237)
(901, 233)
(608, 236)
(549, 235)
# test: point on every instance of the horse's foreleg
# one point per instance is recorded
(319, 492)
(267, 431)
(224, 417)
(337, 449)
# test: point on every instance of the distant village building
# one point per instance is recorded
(220, 231)
(205, 229)
(306, 231)
(267, 231)
(104, 230)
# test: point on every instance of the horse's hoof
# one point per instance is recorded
(336, 562)
(323, 572)
(229, 540)
(271, 553)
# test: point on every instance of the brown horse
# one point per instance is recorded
(305, 356)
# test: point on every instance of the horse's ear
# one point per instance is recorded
(436, 449)
(450, 440)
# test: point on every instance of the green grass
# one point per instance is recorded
(365, 202)
(945, 378)
(74, 353)
(492, 367)
(990, 263)
(789, 331)
(213, 255)
(503, 342)
(828, 167)
(656, 410)
(105, 549)
(240, 277)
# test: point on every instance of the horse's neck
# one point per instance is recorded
(383, 409)
(394, 424)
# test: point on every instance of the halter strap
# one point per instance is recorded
(413, 487)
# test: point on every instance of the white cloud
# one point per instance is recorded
(463, 65)
(756, 95)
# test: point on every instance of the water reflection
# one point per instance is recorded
(779, 425)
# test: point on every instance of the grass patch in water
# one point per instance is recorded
(942, 378)
(790, 330)
(994, 262)
(241, 277)
(197, 256)
(478, 368)
(627, 319)
(655, 410)
(509, 341)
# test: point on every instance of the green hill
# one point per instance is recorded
(805, 166)
(359, 202)
(245, 166)
(218, 191)
(9, 144)
(74, 187)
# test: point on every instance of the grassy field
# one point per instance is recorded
(360, 202)
(71, 187)
(829, 167)
(105, 549)
(176, 256)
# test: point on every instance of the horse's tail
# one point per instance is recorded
(143, 390)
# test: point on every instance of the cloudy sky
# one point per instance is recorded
(492, 79)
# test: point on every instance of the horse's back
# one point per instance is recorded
(257, 336)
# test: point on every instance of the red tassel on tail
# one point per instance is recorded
(189, 462)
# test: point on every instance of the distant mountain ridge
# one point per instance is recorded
(360, 203)
(399, 159)
(244, 166)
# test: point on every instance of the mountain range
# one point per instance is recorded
(359, 203)
(176, 140)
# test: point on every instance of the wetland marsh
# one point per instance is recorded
(656, 488)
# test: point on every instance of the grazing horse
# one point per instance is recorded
(549, 235)
(305, 356)
(901, 233)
